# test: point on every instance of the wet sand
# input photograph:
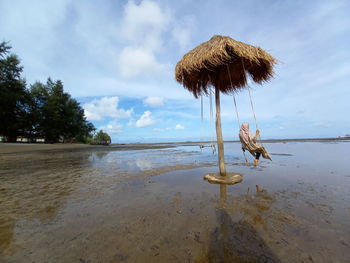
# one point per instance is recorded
(152, 205)
(6, 148)
(30, 147)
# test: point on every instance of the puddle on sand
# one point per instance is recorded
(88, 207)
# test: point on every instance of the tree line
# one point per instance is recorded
(42, 110)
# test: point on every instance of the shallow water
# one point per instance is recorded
(153, 206)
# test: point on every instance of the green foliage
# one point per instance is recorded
(37, 99)
(102, 138)
(56, 115)
(43, 110)
(12, 94)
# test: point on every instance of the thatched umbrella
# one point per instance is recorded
(223, 63)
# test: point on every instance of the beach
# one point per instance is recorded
(149, 203)
(6, 148)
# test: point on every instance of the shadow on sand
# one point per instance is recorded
(237, 242)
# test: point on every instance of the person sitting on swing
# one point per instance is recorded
(249, 143)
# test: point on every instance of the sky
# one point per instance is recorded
(117, 58)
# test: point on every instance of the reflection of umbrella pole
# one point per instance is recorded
(223, 192)
(219, 134)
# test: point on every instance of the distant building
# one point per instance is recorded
(24, 139)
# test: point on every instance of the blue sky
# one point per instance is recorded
(118, 58)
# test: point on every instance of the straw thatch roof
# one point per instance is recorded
(207, 65)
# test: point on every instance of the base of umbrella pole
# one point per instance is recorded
(229, 178)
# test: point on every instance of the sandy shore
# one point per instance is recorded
(118, 204)
(29, 147)
(9, 148)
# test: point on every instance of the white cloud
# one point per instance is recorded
(143, 36)
(179, 127)
(154, 102)
(145, 120)
(182, 31)
(112, 127)
(97, 110)
(162, 129)
(182, 36)
(135, 61)
(142, 27)
(144, 164)
(143, 24)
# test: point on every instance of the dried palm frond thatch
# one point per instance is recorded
(216, 61)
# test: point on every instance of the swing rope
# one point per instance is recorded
(250, 94)
(212, 145)
(235, 103)
(251, 102)
(212, 121)
(201, 138)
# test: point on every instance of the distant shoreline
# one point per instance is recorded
(225, 141)
(9, 148)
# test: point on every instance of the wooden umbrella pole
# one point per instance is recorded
(219, 134)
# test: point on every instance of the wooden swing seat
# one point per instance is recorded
(229, 178)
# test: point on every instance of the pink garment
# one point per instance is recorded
(249, 143)
(245, 136)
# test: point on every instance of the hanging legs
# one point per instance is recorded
(256, 160)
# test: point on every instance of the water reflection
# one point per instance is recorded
(146, 160)
(98, 155)
(223, 192)
(63, 204)
(37, 191)
(144, 164)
